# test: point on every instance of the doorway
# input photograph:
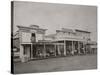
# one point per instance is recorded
(27, 50)
(33, 37)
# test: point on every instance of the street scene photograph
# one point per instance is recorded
(52, 37)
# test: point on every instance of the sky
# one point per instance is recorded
(53, 16)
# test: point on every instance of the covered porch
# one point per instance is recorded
(40, 50)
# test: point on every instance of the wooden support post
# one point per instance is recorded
(64, 48)
(55, 49)
(72, 49)
(83, 47)
(78, 47)
(58, 50)
(31, 51)
(44, 51)
(21, 53)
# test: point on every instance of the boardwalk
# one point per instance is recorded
(58, 64)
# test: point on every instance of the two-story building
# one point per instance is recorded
(31, 42)
(75, 41)
(25, 37)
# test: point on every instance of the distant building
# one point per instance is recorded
(33, 43)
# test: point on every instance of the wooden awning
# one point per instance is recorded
(42, 43)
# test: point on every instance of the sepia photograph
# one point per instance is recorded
(52, 37)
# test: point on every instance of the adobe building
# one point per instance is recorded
(31, 42)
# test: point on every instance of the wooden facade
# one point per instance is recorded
(34, 44)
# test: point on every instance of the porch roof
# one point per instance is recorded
(42, 43)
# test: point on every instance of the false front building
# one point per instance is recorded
(25, 39)
(34, 44)
(73, 41)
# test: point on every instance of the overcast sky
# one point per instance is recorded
(56, 16)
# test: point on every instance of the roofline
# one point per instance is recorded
(16, 33)
(31, 28)
(82, 31)
(63, 31)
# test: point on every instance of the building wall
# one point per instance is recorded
(84, 35)
(39, 37)
(26, 37)
(26, 34)
(70, 35)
